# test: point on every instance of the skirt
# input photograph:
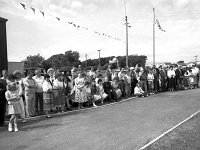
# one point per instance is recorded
(58, 98)
(14, 108)
(48, 100)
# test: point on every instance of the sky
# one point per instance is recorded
(31, 34)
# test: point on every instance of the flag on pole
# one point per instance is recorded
(159, 26)
(42, 13)
(24, 6)
(33, 9)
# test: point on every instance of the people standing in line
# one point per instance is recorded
(3, 101)
(30, 88)
(20, 84)
(47, 95)
(39, 92)
(13, 96)
(80, 94)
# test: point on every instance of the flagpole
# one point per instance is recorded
(154, 36)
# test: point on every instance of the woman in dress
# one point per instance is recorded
(47, 95)
(80, 94)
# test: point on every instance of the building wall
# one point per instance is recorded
(3, 45)
(12, 66)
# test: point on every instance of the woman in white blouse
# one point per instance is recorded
(47, 95)
(171, 77)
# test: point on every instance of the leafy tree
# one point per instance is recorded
(34, 61)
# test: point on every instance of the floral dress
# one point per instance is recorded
(80, 93)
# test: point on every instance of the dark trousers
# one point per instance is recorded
(163, 84)
(39, 101)
(179, 83)
(2, 110)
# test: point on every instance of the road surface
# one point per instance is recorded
(124, 126)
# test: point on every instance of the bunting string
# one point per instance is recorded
(158, 24)
(75, 25)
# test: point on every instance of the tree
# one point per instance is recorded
(34, 61)
(70, 58)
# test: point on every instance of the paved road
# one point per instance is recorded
(124, 126)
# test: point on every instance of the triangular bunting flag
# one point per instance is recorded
(33, 9)
(58, 18)
(159, 26)
(42, 13)
(24, 6)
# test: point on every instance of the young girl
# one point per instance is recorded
(13, 96)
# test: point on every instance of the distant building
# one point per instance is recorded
(12, 66)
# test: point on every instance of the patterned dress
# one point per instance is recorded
(80, 93)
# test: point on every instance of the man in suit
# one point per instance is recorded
(179, 78)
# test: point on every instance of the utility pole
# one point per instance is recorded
(99, 58)
(126, 23)
(86, 61)
(154, 17)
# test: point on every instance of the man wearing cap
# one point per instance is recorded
(39, 91)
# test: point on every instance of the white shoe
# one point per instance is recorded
(10, 127)
(15, 128)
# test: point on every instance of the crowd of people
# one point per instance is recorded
(43, 93)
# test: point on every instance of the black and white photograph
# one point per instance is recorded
(99, 75)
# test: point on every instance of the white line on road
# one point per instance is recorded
(156, 139)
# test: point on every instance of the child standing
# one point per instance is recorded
(14, 108)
